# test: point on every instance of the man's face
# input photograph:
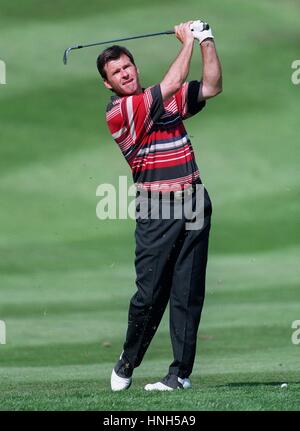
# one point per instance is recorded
(122, 76)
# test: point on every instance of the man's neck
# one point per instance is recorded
(140, 90)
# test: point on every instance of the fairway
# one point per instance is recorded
(66, 277)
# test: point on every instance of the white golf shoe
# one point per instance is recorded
(169, 383)
(118, 383)
(121, 376)
(186, 383)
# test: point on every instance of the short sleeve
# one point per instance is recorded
(187, 99)
(157, 104)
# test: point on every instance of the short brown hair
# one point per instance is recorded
(112, 53)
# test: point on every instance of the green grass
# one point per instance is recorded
(66, 278)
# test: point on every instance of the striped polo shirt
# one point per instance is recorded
(152, 137)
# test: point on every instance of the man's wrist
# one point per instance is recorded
(188, 42)
(207, 42)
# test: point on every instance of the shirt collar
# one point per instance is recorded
(115, 97)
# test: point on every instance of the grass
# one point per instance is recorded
(88, 395)
(66, 278)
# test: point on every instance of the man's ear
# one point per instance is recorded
(107, 84)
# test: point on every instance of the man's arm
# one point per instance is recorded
(211, 71)
(179, 70)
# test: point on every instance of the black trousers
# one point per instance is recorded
(170, 266)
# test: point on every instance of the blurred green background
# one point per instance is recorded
(67, 277)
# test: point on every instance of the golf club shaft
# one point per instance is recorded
(68, 50)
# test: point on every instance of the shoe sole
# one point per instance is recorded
(154, 387)
(159, 386)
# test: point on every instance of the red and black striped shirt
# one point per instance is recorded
(152, 137)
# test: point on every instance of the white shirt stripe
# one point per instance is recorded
(170, 146)
(119, 133)
(130, 117)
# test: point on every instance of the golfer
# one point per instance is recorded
(170, 259)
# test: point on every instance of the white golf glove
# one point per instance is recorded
(200, 34)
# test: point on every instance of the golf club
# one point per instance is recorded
(68, 50)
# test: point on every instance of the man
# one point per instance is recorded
(170, 263)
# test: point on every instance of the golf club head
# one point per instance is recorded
(66, 53)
